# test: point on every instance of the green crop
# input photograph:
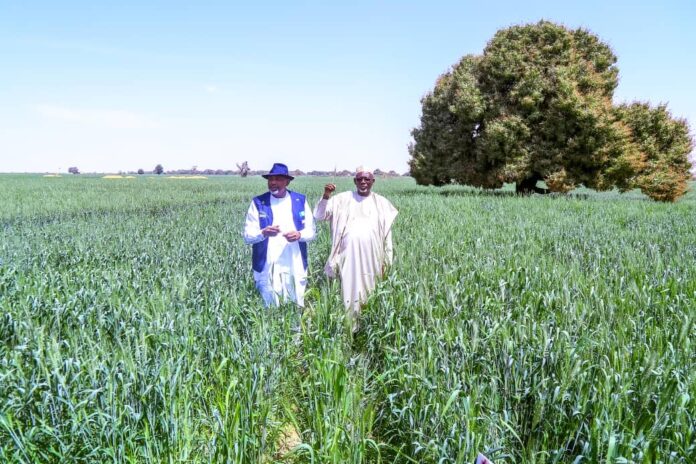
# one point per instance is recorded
(532, 329)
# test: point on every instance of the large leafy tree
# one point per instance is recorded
(537, 105)
(664, 144)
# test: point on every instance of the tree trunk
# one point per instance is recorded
(528, 186)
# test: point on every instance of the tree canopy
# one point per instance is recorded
(537, 106)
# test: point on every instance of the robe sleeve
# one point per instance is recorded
(252, 232)
(388, 249)
(309, 232)
(388, 214)
(324, 210)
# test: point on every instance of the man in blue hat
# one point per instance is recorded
(279, 223)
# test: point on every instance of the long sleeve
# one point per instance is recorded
(252, 232)
(309, 232)
(387, 215)
(388, 249)
(323, 210)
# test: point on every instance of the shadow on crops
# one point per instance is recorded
(511, 193)
(496, 193)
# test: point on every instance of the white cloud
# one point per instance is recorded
(211, 88)
(112, 119)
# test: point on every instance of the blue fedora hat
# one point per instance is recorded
(278, 169)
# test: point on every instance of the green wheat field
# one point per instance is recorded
(531, 329)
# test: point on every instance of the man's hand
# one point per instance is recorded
(270, 231)
(292, 236)
(328, 190)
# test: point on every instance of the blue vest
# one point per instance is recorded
(263, 206)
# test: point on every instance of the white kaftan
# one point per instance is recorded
(283, 276)
(361, 242)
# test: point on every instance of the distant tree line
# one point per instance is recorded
(244, 171)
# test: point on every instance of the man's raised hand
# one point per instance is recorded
(328, 190)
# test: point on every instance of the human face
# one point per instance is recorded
(278, 185)
(363, 182)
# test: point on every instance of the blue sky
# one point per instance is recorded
(117, 86)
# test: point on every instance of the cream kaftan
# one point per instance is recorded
(361, 242)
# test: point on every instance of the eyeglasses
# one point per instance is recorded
(366, 179)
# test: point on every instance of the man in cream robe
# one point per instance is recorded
(361, 223)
